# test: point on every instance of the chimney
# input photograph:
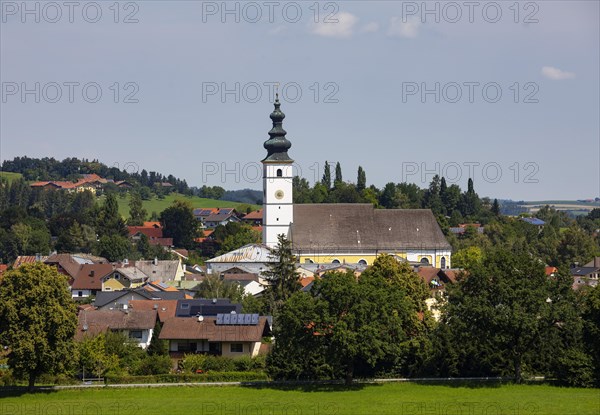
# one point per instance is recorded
(92, 273)
(155, 262)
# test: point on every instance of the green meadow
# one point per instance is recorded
(389, 398)
(158, 205)
(10, 176)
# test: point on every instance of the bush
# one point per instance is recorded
(243, 364)
(154, 365)
(190, 378)
(575, 368)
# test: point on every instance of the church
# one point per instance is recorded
(341, 233)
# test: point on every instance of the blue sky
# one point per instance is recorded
(361, 74)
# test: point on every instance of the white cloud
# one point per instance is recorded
(370, 27)
(556, 74)
(343, 28)
(408, 29)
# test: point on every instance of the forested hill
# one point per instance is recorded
(48, 168)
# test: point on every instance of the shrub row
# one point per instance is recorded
(189, 377)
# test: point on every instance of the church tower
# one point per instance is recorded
(278, 207)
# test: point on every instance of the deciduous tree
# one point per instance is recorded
(37, 320)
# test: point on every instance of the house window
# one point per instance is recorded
(443, 263)
(279, 173)
(135, 334)
(117, 277)
(236, 348)
(79, 293)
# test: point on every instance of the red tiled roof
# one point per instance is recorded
(551, 270)
(66, 262)
(254, 215)
(26, 259)
(149, 231)
(92, 322)
(162, 241)
(152, 224)
(188, 328)
(90, 276)
(3, 268)
(165, 308)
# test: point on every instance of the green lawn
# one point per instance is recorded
(396, 399)
(10, 176)
(158, 205)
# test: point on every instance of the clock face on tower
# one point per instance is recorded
(279, 194)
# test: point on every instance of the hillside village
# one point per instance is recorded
(214, 281)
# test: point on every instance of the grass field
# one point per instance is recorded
(158, 205)
(10, 176)
(396, 399)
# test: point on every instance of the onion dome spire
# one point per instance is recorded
(277, 145)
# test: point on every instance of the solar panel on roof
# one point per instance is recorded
(227, 319)
(219, 318)
(254, 320)
(247, 318)
(234, 319)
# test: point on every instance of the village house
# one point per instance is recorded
(137, 325)
(231, 335)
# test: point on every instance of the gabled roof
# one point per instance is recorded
(89, 276)
(132, 273)
(165, 270)
(154, 224)
(164, 308)
(104, 298)
(247, 253)
(583, 271)
(182, 328)
(358, 227)
(69, 263)
(254, 215)
(92, 322)
(149, 231)
(28, 259)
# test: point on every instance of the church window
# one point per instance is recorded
(335, 261)
(443, 263)
(279, 173)
(362, 262)
(424, 261)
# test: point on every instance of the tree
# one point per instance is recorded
(158, 347)
(180, 224)
(498, 313)
(361, 180)
(326, 180)
(114, 248)
(38, 319)
(137, 213)
(338, 175)
(496, 208)
(471, 203)
(347, 323)
(576, 246)
(110, 221)
(281, 275)
(213, 286)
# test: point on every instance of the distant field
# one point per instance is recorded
(396, 399)
(10, 176)
(158, 205)
(573, 206)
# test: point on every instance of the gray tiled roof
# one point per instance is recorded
(360, 227)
